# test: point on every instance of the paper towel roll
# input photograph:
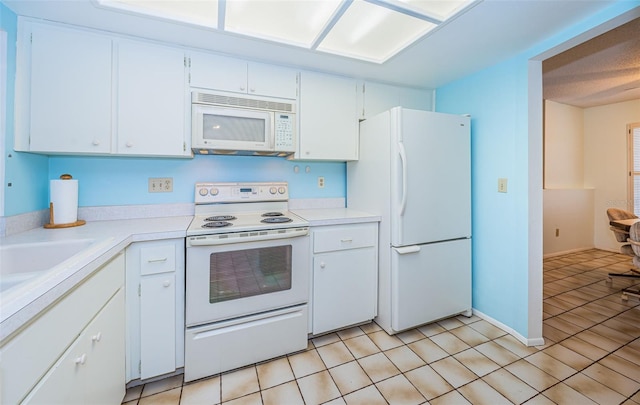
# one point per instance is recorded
(64, 196)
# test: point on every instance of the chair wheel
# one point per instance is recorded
(609, 280)
(625, 297)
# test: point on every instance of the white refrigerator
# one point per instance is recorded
(414, 170)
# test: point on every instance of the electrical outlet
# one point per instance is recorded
(502, 185)
(320, 182)
(160, 184)
(557, 232)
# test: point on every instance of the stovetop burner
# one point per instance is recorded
(235, 208)
(276, 220)
(221, 218)
(216, 224)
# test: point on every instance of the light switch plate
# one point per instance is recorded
(502, 185)
(160, 184)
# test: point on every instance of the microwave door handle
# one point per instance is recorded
(272, 133)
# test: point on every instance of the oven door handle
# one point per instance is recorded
(241, 237)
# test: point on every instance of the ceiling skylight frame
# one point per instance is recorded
(312, 42)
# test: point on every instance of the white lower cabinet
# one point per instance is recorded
(155, 308)
(92, 370)
(345, 276)
(74, 352)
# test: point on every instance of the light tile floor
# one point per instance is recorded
(591, 355)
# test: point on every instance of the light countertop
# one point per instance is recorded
(335, 216)
(24, 301)
(20, 304)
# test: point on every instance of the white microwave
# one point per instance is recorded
(235, 124)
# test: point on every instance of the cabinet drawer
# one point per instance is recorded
(344, 237)
(157, 258)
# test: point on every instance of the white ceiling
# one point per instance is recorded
(491, 31)
(603, 70)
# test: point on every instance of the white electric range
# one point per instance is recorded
(247, 277)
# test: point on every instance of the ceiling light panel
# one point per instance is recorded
(373, 33)
(440, 9)
(198, 12)
(292, 22)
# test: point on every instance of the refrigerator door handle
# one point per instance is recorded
(407, 249)
(403, 160)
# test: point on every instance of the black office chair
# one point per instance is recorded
(631, 247)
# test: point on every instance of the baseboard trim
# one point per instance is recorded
(537, 341)
(576, 250)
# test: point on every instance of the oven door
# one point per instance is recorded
(225, 281)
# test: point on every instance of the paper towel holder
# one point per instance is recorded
(52, 224)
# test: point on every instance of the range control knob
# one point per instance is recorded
(273, 190)
(282, 190)
(203, 192)
(214, 191)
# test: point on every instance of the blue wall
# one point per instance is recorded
(123, 181)
(25, 185)
(497, 99)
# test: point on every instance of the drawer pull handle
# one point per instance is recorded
(166, 283)
(157, 260)
(345, 240)
(96, 337)
(323, 265)
(81, 360)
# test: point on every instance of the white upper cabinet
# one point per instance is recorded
(270, 80)
(209, 71)
(328, 118)
(85, 92)
(377, 97)
(152, 100)
(70, 91)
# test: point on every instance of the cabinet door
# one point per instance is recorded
(64, 381)
(157, 325)
(218, 73)
(379, 98)
(70, 97)
(152, 100)
(273, 81)
(382, 97)
(105, 371)
(155, 308)
(344, 288)
(91, 371)
(328, 118)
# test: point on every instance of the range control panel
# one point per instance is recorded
(207, 193)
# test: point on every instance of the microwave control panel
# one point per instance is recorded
(284, 126)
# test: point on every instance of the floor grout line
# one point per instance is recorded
(601, 261)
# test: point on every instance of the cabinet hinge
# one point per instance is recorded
(31, 37)
(139, 290)
(184, 146)
(185, 61)
(140, 367)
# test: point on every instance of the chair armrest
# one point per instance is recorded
(633, 242)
